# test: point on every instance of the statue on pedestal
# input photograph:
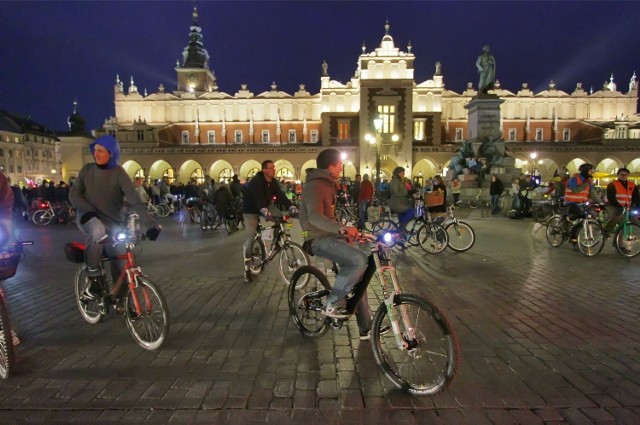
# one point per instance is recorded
(486, 65)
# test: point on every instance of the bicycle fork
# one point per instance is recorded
(386, 273)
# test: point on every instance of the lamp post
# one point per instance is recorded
(377, 124)
(343, 156)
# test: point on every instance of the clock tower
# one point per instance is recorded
(194, 74)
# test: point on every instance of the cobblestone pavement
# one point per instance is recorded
(547, 336)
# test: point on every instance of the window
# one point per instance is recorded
(168, 173)
(140, 135)
(28, 152)
(197, 174)
(225, 175)
(211, 137)
(388, 115)
(314, 136)
(11, 153)
(185, 137)
(252, 172)
(539, 134)
(237, 136)
(19, 168)
(111, 133)
(139, 174)
(16, 139)
(566, 135)
(621, 133)
(265, 136)
(11, 168)
(35, 153)
(458, 134)
(418, 130)
(344, 131)
(283, 173)
(512, 134)
(292, 136)
(1, 152)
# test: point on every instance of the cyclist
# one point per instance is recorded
(621, 194)
(399, 202)
(261, 192)
(6, 205)
(320, 226)
(206, 193)
(98, 193)
(579, 189)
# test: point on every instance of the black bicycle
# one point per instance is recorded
(422, 353)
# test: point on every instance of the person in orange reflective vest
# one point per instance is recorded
(579, 190)
(621, 194)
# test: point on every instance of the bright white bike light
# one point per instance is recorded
(387, 237)
(121, 236)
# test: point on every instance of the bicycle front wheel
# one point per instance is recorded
(542, 213)
(555, 230)
(427, 358)
(258, 254)
(307, 299)
(461, 236)
(146, 314)
(231, 224)
(7, 353)
(433, 238)
(411, 231)
(628, 240)
(194, 212)
(590, 238)
(383, 225)
(41, 218)
(89, 309)
(292, 257)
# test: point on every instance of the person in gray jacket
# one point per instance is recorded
(321, 228)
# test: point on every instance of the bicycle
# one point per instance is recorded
(292, 255)
(422, 353)
(586, 232)
(142, 305)
(627, 235)
(546, 208)
(9, 258)
(45, 215)
(478, 202)
(232, 218)
(461, 235)
(208, 217)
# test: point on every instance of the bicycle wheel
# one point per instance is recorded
(428, 358)
(194, 212)
(383, 225)
(89, 309)
(41, 218)
(7, 353)
(542, 213)
(461, 236)
(411, 231)
(628, 240)
(258, 255)
(292, 257)
(473, 203)
(231, 224)
(433, 238)
(148, 325)
(307, 300)
(590, 238)
(555, 230)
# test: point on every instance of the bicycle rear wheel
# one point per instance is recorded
(411, 231)
(7, 353)
(555, 230)
(41, 218)
(628, 240)
(231, 224)
(292, 257)
(429, 357)
(194, 212)
(258, 254)
(433, 238)
(307, 300)
(590, 238)
(89, 309)
(461, 236)
(149, 324)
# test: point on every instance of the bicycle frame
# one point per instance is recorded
(280, 238)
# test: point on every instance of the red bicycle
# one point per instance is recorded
(142, 305)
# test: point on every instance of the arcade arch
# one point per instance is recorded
(303, 170)
(191, 169)
(221, 171)
(133, 169)
(249, 169)
(424, 168)
(160, 169)
(285, 170)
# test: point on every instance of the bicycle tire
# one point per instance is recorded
(590, 238)
(150, 328)
(41, 218)
(231, 225)
(428, 361)
(194, 213)
(306, 303)
(461, 236)
(292, 257)
(628, 243)
(555, 231)
(89, 310)
(473, 203)
(258, 255)
(542, 213)
(383, 225)
(411, 231)
(433, 238)
(7, 351)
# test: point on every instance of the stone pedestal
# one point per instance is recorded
(484, 117)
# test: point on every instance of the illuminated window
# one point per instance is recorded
(292, 136)
(225, 175)
(566, 134)
(458, 134)
(185, 137)
(314, 136)
(512, 134)
(237, 136)
(388, 115)
(139, 174)
(284, 173)
(539, 134)
(344, 132)
(418, 130)
(265, 136)
(168, 173)
(211, 137)
(252, 172)
(197, 174)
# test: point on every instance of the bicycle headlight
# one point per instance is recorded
(121, 236)
(387, 238)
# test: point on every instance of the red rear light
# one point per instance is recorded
(43, 205)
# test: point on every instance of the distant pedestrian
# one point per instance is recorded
(495, 190)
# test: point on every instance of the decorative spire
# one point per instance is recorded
(195, 15)
(195, 55)
(386, 27)
(409, 47)
(633, 84)
(364, 47)
(611, 86)
(273, 86)
(132, 87)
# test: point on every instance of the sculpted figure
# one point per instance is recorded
(486, 65)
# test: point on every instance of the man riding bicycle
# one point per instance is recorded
(326, 235)
(99, 193)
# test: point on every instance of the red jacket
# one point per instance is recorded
(366, 191)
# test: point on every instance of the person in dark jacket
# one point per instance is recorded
(495, 190)
(260, 194)
(438, 184)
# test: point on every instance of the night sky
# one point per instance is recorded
(54, 52)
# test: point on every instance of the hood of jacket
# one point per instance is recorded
(110, 144)
(318, 175)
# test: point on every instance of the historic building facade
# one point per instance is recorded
(198, 130)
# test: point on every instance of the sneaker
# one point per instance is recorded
(92, 290)
(365, 336)
(247, 276)
(335, 311)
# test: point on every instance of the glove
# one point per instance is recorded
(153, 233)
(293, 210)
(87, 216)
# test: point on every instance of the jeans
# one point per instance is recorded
(495, 203)
(352, 263)
(404, 217)
(362, 213)
(95, 230)
(250, 226)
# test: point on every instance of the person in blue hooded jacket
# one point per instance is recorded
(98, 194)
